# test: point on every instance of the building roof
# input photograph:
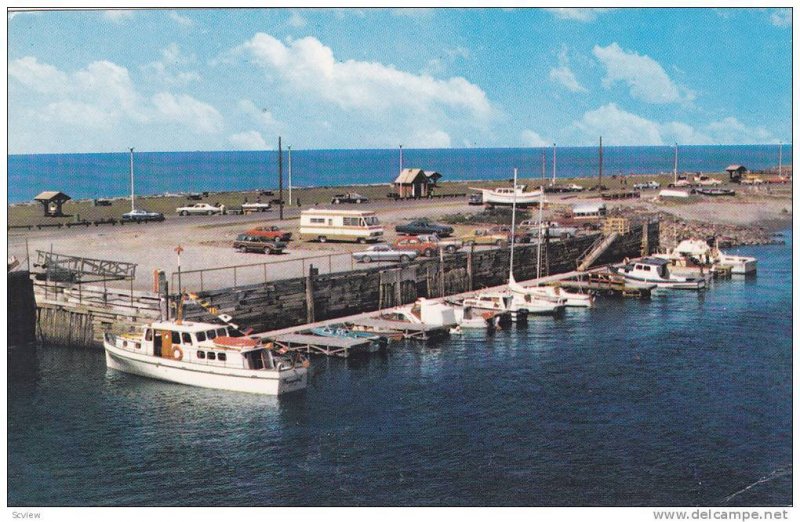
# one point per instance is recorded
(337, 212)
(735, 167)
(588, 207)
(49, 195)
(432, 174)
(408, 176)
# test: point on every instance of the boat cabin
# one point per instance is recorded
(649, 268)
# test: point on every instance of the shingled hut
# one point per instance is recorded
(52, 201)
(412, 183)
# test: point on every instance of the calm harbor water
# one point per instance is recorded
(684, 399)
(107, 174)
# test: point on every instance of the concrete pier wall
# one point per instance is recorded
(21, 308)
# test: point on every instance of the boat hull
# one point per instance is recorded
(673, 285)
(264, 382)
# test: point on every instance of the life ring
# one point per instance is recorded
(177, 354)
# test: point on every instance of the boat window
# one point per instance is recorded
(187, 338)
(201, 336)
(212, 356)
(176, 338)
(148, 335)
(222, 356)
(201, 354)
(211, 334)
(646, 268)
(222, 332)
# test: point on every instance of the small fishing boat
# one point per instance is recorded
(206, 355)
(424, 311)
(469, 317)
(337, 331)
(571, 299)
(696, 252)
(655, 270)
(510, 196)
(715, 192)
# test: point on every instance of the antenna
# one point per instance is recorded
(133, 205)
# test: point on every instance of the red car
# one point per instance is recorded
(270, 232)
(421, 247)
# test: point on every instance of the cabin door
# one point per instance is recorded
(163, 344)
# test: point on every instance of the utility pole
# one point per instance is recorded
(132, 196)
(600, 180)
(290, 175)
(554, 164)
(280, 178)
(675, 166)
(544, 167)
(401, 158)
(780, 159)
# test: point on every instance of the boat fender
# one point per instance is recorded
(177, 354)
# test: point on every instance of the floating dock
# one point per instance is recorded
(331, 346)
(420, 332)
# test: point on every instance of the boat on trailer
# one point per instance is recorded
(508, 196)
(206, 355)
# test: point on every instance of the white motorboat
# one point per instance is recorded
(655, 270)
(424, 311)
(206, 355)
(696, 255)
(571, 299)
(510, 196)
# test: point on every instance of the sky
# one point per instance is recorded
(206, 79)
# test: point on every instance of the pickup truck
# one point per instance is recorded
(350, 197)
(271, 232)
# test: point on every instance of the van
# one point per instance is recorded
(344, 225)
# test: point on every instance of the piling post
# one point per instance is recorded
(310, 295)
(469, 266)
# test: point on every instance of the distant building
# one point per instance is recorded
(412, 183)
(52, 201)
(735, 172)
(433, 177)
(589, 210)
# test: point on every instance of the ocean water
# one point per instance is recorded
(107, 175)
(682, 400)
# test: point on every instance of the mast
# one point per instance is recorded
(554, 165)
(544, 167)
(780, 158)
(290, 175)
(675, 166)
(539, 244)
(600, 180)
(513, 227)
(280, 178)
(132, 194)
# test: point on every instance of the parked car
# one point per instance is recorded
(199, 208)
(483, 236)
(139, 216)
(752, 180)
(475, 199)
(680, 183)
(350, 197)
(248, 243)
(384, 253)
(647, 185)
(271, 232)
(572, 187)
(256, 207)
(522, 235)
(423, 226)
(707, 181)
(448, 245)
(415, 244)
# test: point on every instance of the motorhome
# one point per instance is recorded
(344, 225)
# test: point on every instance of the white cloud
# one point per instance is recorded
(199, 117)
(781, 17)
(40, 77)
(533, 139)
(180, 19)
(118, 15)
(588, 14)
(619, 127)
(308, 66)
(297, 20)
(262, 116)
(429, 139)
(414, 12)
(77, 114)
(566, 77)
(249, 140)
(167, 70)
(644, 76)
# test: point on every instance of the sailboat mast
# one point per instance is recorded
(554, 165)
(780, 159)
(539, 244)
(133, 202)
(600, 162)
(290, 175)
(513, 228)
(675, 166)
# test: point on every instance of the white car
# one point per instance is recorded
(647, 185)
(199, 208)
(707, 181)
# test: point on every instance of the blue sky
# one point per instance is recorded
(201, 79)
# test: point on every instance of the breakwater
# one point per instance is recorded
(79, 314)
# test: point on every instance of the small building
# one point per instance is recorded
(412, 183)
(735, 172)
(589, 210)
(52, 201)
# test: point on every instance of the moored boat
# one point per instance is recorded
(208, 356)
(655, 271)
(510, 196)
(337, 331)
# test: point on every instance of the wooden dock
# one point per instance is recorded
(331, 346)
